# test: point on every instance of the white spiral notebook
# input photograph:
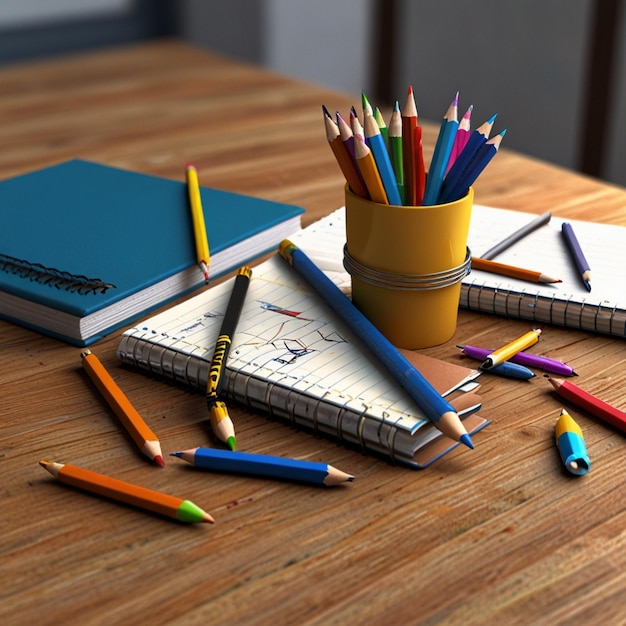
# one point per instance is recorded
(294, 359)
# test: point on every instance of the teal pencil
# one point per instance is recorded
(381, 157)
(441, 155)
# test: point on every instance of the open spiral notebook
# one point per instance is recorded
(294, 359)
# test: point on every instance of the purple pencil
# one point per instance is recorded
(577, 254)
(523, 358)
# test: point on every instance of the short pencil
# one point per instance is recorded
(141, 497)
(134, 424)
(264, 465)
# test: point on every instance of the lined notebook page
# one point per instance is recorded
(287, 337)
(567, 303)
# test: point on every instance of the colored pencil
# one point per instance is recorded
(220, 420)
(510, 349)
(395, 148)
(523, 358)
(477, 138)
(376, 144)
(141, 497)
(133, 423)
(197, 216)
(355, 124)
(365, 105)
(384, 131)
(478, 263)
(508, 369)
(264, 465)
(344, 159)
(409, 149)
(514, 237)
(420, 171)
(589, 402)
(369, 171)
(346, 134)
(571, 444)
(435, 407)
(441, 154)
(576, 251)
(461, 138)
(476, 166)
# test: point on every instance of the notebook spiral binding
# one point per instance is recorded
(318, 416)
(35, 272)
(559, 311)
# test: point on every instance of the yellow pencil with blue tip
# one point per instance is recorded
(571, 444)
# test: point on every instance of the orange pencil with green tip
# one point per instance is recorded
(122, 491)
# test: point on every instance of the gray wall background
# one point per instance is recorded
(526, 61)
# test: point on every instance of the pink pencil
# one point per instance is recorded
(461, 138)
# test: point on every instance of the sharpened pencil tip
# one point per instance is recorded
(178, 454)
(230, 442)
(158, 459)
(467, 440)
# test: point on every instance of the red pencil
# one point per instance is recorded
(409, 148)
(584, 400)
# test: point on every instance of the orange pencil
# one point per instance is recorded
(369, 171)
(140, 432)
(154, 501)
(345, 161)
(510, 270)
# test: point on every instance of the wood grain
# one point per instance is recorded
(500, 534)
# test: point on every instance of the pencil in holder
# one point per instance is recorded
(406, 265)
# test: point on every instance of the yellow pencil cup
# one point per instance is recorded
(406, 265)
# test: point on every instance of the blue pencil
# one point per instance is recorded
(438, 410)
(263, 465)
(484, 155)
(441, 154)
(512, 370)
(377, 145)
(476, 140)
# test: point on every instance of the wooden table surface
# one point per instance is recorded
(499, 534)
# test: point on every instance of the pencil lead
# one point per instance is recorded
(231, 443)
(466, 439)
(158, 459)
(325, 111)
(177, 454)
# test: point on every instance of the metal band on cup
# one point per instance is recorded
(407, 282)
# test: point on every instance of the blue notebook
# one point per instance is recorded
(87, 248)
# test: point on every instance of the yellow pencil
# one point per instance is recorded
(369, 171)
(140, 432)
(197, 215)
(511, 349)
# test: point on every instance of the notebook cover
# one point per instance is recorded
(80, 236)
